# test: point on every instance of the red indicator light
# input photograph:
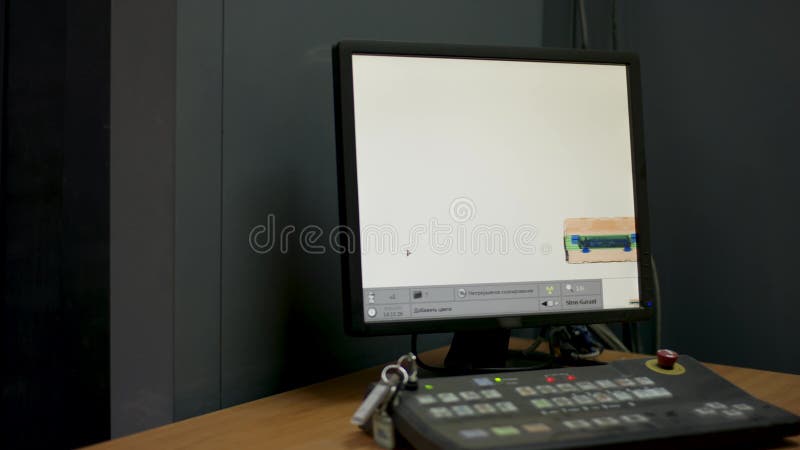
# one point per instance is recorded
(571, 377)
(550, 379)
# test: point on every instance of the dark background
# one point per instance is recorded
(55, 206)
(721, 100)
(130, 297)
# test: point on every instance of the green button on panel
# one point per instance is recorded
(505, 431)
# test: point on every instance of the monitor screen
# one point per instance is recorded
(492, 187)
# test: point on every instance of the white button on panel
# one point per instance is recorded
(734, 413)
(440, 412)
(469, 395)
(577, 424)
(705, 412)
(426, 399)
(716, 405)
(583, 399)
(484, 408)
(634, 418)
(526, 391)
(743, 407)
(603, 397)
(536, 427)
(566, 387)
(642, 394)
(491, 393)
(541, 403)
(448, 397)
(562, 401)
(546, 389)
(474, 433)
(605, 421)
(506, 406)
(625, 382)
(644, 381)
(622, 396)
(586, 385)
(483, 381)
(651, 394)
(463, 410)
(660, 392)
(606, 384)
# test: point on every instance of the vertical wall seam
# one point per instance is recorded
(221, 186)
(175, 216)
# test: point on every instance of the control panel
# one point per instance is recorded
(631, 401)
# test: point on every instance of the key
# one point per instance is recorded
(383, 426)
(409, 362)
(383, 432)
(392, 376)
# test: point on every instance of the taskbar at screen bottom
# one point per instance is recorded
(394, 304)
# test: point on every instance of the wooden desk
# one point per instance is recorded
(317, 416)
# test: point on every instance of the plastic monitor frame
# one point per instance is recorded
(348, 187)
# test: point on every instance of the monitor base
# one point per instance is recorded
(479, 351)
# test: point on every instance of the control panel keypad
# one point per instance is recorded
(507, 410)
(586, 397)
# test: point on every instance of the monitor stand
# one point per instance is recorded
(479, 350)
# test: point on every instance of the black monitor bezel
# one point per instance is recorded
(348, 189)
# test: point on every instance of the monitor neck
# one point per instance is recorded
(478, 349)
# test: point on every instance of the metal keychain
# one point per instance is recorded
(392, 376)
(383, 431)
(409, 362)
(383, 424)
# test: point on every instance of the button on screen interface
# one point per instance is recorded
(493, 188)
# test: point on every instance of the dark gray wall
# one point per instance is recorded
(282, 314)
(222, 113)
(721, 105)
(142, 206)
(198, 219)
(721, 102)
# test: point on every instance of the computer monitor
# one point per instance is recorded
(490, 188)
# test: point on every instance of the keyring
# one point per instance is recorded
(408, 356)
(412, 359)
(394, 367)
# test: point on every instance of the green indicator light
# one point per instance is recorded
(429, 387)
(497, 379)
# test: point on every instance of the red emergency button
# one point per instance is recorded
(666, 359)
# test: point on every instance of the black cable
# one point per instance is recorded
(572, 29)
(626, 335)
(584, 25)
(454, 371)
(657, 300)
(636, 344)
(614, 43)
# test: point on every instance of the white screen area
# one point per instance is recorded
(472, 171)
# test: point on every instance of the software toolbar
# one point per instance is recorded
(431, 302)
